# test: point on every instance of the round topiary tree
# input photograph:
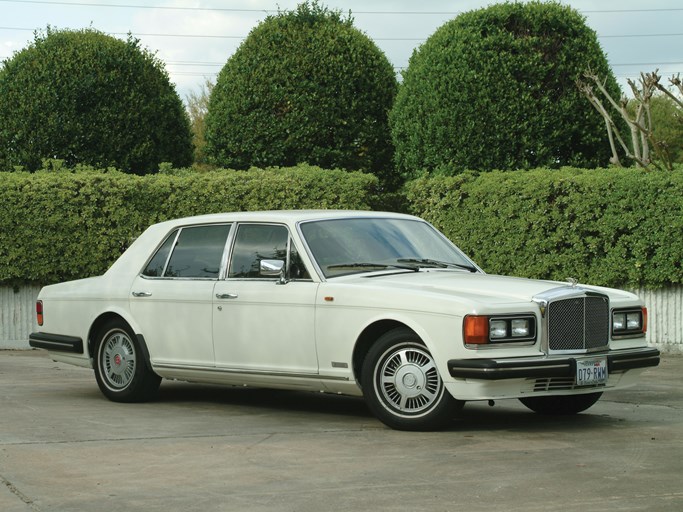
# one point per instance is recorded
(304, 86)
(495, 89)
(86, 97)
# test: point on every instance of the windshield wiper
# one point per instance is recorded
(372, 265)
(426, 262)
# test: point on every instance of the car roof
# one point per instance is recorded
(139, 250)
(285, 216)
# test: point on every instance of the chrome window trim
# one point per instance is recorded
(170, 253)
(180, 228)
(227, 251)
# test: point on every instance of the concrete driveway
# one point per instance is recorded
(63, 447)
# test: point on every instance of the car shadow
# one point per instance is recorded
(509, 415)
(506, 415)
(261, 398)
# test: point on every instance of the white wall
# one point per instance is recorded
(665, 317)
(17, 315)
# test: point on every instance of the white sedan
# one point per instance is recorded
(371, 304)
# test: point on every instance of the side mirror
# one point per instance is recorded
(273, 268)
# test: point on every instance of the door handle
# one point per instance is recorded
(142, 294)
(226, 295)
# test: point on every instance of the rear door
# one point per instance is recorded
(172, 299)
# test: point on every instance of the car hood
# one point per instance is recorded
(471, 287)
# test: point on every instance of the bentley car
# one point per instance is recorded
(371, 304)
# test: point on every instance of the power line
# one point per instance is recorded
(130, 6)
(407, 39)
(648, 64)
(227, 9)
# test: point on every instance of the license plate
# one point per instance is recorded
(590, 372)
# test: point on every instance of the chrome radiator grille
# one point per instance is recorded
(579, 323)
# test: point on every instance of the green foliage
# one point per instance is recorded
(667, 126)
(495, 89)
(305, 86)
(85, 97)
(605, 226)
(65, 225)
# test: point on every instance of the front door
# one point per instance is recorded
(259, 323)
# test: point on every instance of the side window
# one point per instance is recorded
(256, 242)
(197, 252)
(155, 267)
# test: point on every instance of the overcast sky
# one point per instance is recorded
(196, 37)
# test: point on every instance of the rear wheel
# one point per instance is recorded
(402, 385)
(561, 405)
(120, 368)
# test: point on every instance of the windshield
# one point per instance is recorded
(349, 246)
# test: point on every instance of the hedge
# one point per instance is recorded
(57, 226)
(613, 227)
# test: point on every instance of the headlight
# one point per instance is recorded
(634, 321)
(482, 330)
(520, 327)
(498, 329)
(629, 322)
(618, 321)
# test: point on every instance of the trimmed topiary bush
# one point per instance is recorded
(495, 89)
(85, 97)
(305, 86)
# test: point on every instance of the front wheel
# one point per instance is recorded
(561, 405)
(402, 386)
(120, 368)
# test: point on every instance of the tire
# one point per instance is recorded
(401, 384)
(561, 405)
(120, 369)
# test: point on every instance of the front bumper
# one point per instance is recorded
(548, 367)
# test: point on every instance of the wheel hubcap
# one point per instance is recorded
(408, 380)
(118, 360)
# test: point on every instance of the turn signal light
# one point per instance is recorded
(476, 330)
(39, 312)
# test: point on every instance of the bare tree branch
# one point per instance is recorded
(643, 143)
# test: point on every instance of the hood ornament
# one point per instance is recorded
(572, 281)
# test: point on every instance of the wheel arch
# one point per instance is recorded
(108, 316)
(369, 336)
